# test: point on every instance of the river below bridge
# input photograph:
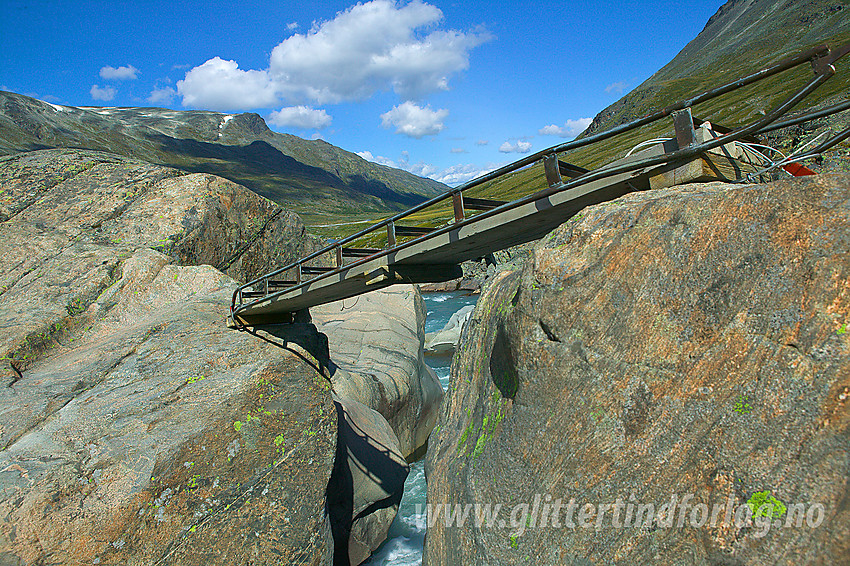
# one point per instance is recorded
(406, 536)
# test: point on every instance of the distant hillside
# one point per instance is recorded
(742, 37)
(308, 176)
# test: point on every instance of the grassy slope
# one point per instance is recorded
(744, 36)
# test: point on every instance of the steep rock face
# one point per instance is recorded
(378, 357)
(134, 427)
(70, 218)
(674, 342)
(367, 484)
(159, 434)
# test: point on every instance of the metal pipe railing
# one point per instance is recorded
(824, 70)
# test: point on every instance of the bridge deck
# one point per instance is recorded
(695, 154)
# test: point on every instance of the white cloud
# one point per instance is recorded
(459, 174)
(369, 47)
(105, 93)
(570, 129)
(300, 117)
(127, 73)
(520, 147)
(452, 176)
(222, 85)
(617, 87)
(292, 26)
(162, 95)
(458, 150)
(414, 121)
(482, 142)
(381, 160)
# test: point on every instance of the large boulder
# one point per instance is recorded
(686, 348)
(135, 428)
(157, 434)
(444, 341)
(379, 361)
(368, 481)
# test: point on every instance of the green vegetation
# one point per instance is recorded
(742, 405)
(764, 504)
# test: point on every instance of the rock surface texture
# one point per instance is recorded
(135, 428)
(379, 360)
(685, 341)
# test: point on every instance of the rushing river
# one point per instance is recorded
(403, 546)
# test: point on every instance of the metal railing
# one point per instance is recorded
(822, 60)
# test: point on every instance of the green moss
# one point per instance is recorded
(764, 504)
(742, 405)
(237, 425)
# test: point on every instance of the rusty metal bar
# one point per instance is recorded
(571, 170)
(457, 203)
(339, 262)
(828, 111)
(481, 203)
(683, 125)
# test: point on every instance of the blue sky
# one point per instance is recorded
(444, 89)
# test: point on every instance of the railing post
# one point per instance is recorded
(553, 173)
(457, 202)
(391, 234)
(339, 256)
(266, 287)
(683, 123)
(298, 273)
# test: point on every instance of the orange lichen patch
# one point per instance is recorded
(835, 410)
(840, 306)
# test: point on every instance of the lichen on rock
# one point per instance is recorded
(672, 342)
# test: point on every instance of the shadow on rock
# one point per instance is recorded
(367, 483)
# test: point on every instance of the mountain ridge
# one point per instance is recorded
(306, 175)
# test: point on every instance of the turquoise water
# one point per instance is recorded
(406, 536)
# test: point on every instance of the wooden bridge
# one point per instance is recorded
(416, 254)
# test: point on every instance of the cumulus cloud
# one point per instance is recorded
(520, 146)
(369, 47)
(414, 121)
(105, 93)
(459, 174)
(222, 85)
(379, 159)
(162, 95)
(292, 26)
(570, 129)
(300, 117)
(127, 73)
(452, 176)
(617, 87)
(482, 142)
